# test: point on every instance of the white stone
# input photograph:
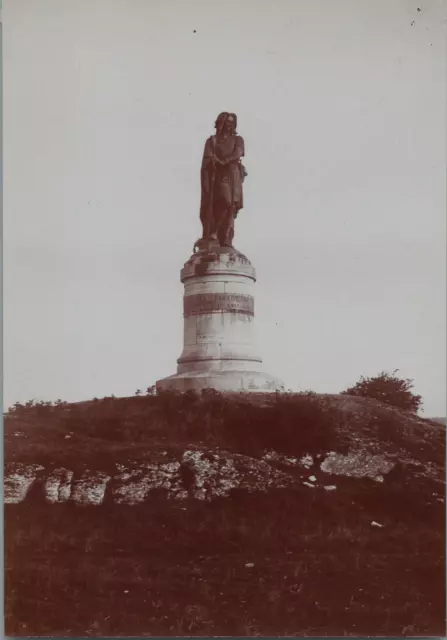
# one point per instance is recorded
(58, 485)
(90, 489)
(274, 456)
(213, 475)
(219, 349)
(132, 487)
(18, 481)
(357, 464)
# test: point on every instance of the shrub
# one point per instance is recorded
(388, 389)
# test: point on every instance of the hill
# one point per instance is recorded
(440, 420)
(190, 514)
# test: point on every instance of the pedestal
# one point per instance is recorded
(219, 344)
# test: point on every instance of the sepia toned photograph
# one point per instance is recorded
(224, 315)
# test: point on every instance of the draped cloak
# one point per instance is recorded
(228, 180)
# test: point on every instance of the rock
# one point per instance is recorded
(273, 456)
(18, 480)
(202, 475)
(90, 489)
(307, 461)
(57, 486)
(357, 464)
(132, 487)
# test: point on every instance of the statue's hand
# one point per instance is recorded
(215, 160)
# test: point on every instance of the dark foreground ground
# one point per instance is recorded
(287, 562)
(278, 564)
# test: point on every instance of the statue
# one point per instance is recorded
(222, 175)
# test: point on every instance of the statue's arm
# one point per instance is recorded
(238, 153)
(208, 153)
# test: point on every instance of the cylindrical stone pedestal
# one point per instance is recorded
(219, 344)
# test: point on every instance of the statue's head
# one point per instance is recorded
(226, 122)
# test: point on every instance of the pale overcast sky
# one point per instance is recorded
(107, 105)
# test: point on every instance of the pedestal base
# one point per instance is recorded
(234, 381)
(219, 350)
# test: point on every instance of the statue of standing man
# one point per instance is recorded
(222, 175)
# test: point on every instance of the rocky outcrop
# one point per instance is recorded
(197, 474)
(18, 480)
(202, 475)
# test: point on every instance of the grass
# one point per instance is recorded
(161, 570)
(288, 562)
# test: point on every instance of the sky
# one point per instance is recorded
(107, 105)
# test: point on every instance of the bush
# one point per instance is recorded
(388, 389)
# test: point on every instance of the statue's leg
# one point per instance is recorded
(218, 210)
(231, 230)
(226, 230)
(226, 217)
(214, 222)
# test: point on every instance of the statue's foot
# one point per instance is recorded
(206, 244)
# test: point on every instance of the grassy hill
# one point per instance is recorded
(224, 515)
(440, 420)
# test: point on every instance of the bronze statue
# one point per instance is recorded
(222, 175)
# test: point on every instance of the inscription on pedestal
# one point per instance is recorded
(214, 302)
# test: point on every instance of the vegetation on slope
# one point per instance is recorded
(388, 388)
